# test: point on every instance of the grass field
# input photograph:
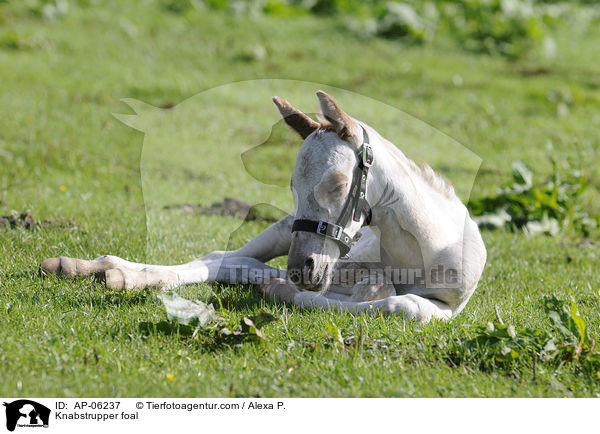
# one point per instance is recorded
(68, 160)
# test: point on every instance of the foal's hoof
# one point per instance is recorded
(65, 266)
(115, 279)
(278, 289)
(50, 266)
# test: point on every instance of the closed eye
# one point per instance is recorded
(338, 189)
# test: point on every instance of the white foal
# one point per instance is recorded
(418, 251)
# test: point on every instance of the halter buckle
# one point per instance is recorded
(367, 156)
(336, 232)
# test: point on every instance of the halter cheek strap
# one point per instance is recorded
(354, 208)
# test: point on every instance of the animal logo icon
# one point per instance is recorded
(25, 412)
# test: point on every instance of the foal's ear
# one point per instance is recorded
(299, 122)
(346, 128)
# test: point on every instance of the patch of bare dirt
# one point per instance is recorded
(25, 220)
(229, 207)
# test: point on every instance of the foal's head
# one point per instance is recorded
(321, 184)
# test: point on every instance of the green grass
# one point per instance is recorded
(61, 80)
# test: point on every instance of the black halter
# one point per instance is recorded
(355, 207)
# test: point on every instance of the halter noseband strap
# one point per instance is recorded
(354, 208)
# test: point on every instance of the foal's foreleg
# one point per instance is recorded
(73, 267)
(217, 266)
(272, 242)
(244, 265)
(118, 273)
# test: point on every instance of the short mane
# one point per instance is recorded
(433, 179)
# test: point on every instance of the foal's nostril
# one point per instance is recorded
(309, 264)
(302, 273)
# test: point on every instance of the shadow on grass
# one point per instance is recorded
(221, 333)
(207, 340)
(29, 274)
(236, 297)
(115, 299)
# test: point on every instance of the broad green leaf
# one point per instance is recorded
(522, 174)
(545, 208)
(165, 327)
(250, 328)
(511, 331)
(335, 334)
(559, 323)
(579, 322)
(550, 346)
(262, 319)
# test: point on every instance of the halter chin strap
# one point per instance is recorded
(355, 207)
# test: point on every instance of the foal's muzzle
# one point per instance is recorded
(305, 272)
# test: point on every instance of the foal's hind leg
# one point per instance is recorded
(412, 306)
